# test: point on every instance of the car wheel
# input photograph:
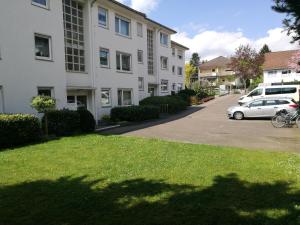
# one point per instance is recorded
(238, 115)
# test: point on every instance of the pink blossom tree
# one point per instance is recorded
(294, 62)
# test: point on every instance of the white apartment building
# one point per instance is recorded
(96, 54)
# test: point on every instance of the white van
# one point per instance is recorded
(291, 91)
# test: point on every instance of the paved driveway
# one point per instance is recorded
(210, 125)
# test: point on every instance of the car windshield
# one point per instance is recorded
(256, 92)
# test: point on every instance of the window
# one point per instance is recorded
(179, 71)
(164, 63)
(150, 52)
(180, 54)
(141, 83)
(140, 56)
(45, 91)
(74, 36)
(179, 86)
(139, 29)
(174, 87)
(122, 26)
(124, 97)
(271, 72)
(104, 57)
(273, 91)
(41, 3)
(213, 70)
(270, 102)
(282, 102)
(289, 90)
(256, 104)
(42, 47)
(70, 99)
(103, 17)
(105, 97)
(286, 71)
(77, 101)
(123, 62)
(164, 86)
(164, 39)
(256, 92)
(173, 51)
(173, 69)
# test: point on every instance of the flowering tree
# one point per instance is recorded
(294, 62)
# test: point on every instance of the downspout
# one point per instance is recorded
(157, 42)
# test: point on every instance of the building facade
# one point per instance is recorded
(96, 54)
(276, 68)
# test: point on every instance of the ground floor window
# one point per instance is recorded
(141, 83)
(124, 97)
(45, 91)
(105, 97)
(174, 87)
(77, 101)
(164, 86)
(123, 62)
(179, 87)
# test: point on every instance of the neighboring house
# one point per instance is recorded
(276, 69)
(218, 72)
(95, 54)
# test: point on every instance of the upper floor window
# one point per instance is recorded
(123, 62)
(104, 57)
(286, 71)
(45, 91)
(124, 97)
(164, 39)
(139, 28)
(164, 85)
(103, 17)
(41, 3)
(173, 69)
(173, 51)
(164, 63)
(42, 47)
(180, 54)
(122, 26)
(140, 56)
(179, 71)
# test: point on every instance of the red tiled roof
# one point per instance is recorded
(278, 60)
(220, 61)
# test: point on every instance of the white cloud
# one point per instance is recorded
(210, 44)
(144, 6)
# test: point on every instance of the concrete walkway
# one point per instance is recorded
(208, 124)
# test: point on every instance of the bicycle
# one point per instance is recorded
(283, 119)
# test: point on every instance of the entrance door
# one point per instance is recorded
(151, 91)
(77, 101)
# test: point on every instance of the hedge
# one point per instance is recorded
(87, 121)
(175, 103)
(18, 129)
(134, 113)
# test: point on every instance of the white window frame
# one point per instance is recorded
(162, 58)
(108, 57)
(179, 86)
(49, 45)
(119, 24)
(142, 56)
(139, 34)
(142, 88)
(122, 97)
(161, 37)
(285, 72)
(107, 17)
(179, 68)
(41, 5)
(174, 87)
(121, 69)
(180, 54)
(51, 89)
(109, 96)
(164, 83)
(173, 52)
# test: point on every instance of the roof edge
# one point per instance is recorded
(180, 45)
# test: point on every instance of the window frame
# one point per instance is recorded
(121, 62)
(164, 85)
(122, 97)
(48, 37)
(142, 56)
(174, 70)
(180, 54)
(47, 6)
(109, 96)
(173, 52)
(137, 29)
(119, 26)
(107, 17)
(161, 38)
(108, 57)
(179, 68)
(142, 88)
(42, 88)
(161, 63)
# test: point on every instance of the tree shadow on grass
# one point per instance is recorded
(76, 201)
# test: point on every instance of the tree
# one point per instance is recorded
(247, 63)
(292, 21)
(195, 61)
(189, 71)
(265, 49)
(294, 62)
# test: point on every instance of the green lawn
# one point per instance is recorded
(107, 180)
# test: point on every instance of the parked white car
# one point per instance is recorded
(262, 108)
(291, 91)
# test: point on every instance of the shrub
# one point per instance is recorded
(43, 103)
(63, 122)
(87, 121)
(18, 129)
(134, 113)
(186, 95)
(175, 103)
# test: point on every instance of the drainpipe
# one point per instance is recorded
(157, 42)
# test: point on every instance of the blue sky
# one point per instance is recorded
(218, 27)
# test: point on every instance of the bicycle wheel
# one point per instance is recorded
(298, 121)
(278, 121)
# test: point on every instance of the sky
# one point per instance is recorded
(217, 27)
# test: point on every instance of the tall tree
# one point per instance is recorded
(189, 71)
(195, 60)
(265, 49)
(292, 21)
(247, 63)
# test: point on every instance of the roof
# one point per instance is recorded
(220, 61)
(278, 60)
(179, 45)
(143, 15)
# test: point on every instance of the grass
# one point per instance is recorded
(107, 180)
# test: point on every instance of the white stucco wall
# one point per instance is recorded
(278, 77)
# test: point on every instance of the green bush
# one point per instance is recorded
(18, 129)
(63, 122)
(87, 121)
(175, 103)
(186, 95)
(134, 113)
